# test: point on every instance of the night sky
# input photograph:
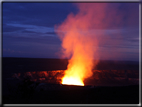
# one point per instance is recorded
(28, 30)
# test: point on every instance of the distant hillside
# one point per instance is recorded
(40, 64)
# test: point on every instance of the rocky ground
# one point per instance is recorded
(37, 81)
(43, 93)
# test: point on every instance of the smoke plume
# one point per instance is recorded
(80, 38)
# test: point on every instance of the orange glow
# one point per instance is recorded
(72, 81)
(78, 45)
(81, 35)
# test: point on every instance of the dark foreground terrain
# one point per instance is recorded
(47, 90)
(96, 95)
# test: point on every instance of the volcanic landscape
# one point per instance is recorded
(38, 81)
(96, 46)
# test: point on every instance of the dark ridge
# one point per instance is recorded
(41, 64)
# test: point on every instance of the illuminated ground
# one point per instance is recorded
(33, 81)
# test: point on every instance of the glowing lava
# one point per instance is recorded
(73, 75)
(72, 81)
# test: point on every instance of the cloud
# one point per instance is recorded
(13, 51)
(29, 24)
(45, 47)
(34, 28)
(41, 14)
(27, 31)
(7, 28)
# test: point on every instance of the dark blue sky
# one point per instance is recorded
(28, 30)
